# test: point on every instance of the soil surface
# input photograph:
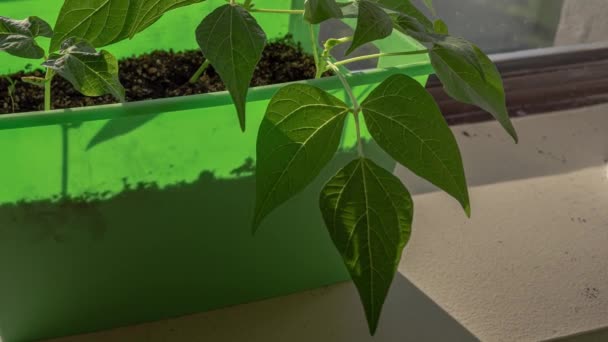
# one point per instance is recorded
(160, 74)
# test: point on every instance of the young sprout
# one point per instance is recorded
(90, 72)
(11, 91)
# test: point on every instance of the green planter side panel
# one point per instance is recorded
(120, 214)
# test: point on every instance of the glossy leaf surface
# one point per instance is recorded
(233, 42)
(103, 22)
(457, 65)
(373, 23)
(368, 213)
(318, 11)
(92, 73)
(406, 122)
(300, 134)
(18, 37)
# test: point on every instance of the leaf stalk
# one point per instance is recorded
(47, 89)
(199, 72)
(356, 108)
(379, 55)
(276, 11)
(315, 51)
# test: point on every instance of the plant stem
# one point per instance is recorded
(378, 55)
(278, 11)
(12, 101)
(325, 55)
(199, 72)
(356, 108)
(47, 89)
(358, 129)
(315, 51)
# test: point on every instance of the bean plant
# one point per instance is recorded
(367, 210)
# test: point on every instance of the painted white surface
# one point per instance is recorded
(583, 21)
(531, 264)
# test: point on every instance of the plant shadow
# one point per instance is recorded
(187, 246)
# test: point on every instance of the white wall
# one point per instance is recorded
(583, 21)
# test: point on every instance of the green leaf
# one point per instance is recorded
(441, 27)
(413, 28)
(406, 122)
(318, 11)
(104, 22)
(372, 24)
(92, 73)
(299, 135)
(18, 37)
(462, 80)
(405, 7)
(368, 213)
(463, 48)
(233, 42)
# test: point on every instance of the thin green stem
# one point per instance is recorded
(356, 108)
(47, 89)
(277, 11)
(315, 51)
(378, 55)
(325, 55)
(358, 129)
(199, 72)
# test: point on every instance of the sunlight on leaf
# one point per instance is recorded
(368, 213)
(104, 22)
(462, 80)
(406, 122)
(18, 37)
(92, 73)
(300, 134)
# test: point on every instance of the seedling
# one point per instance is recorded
(90, 72)
(11, 91)
(77, 34)
(367, 210)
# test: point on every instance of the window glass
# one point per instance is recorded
(511, 25)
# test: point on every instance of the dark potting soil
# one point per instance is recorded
(160, 74)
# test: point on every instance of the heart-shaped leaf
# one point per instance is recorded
(373, 23)
(104, 22)
(299, 135)
(233, 42)
(457, 63)
(92, 73)
(368, 213)
(414, 28)
(318, 11)
(406, 122)
(18, 37)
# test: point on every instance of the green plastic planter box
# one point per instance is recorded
(120, 214)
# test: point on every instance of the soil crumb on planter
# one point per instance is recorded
(160, 74)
